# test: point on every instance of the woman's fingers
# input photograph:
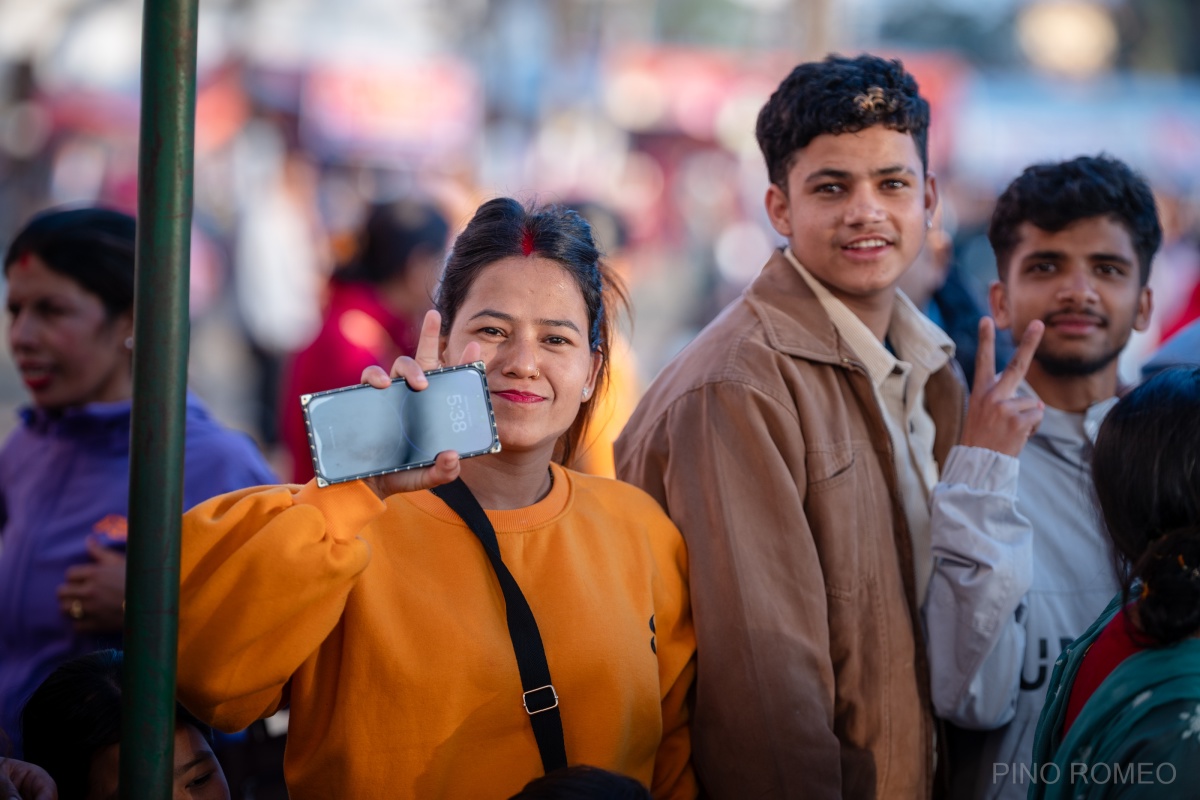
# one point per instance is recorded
(446, 467)
(375, 376)
(404, 367)
(471, 353)
(429, 344)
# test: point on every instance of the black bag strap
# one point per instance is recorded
(539, 697)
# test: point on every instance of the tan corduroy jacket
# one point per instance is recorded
(764, 442)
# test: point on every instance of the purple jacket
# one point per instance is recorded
(64, 478)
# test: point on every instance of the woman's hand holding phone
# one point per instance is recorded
(412, 370)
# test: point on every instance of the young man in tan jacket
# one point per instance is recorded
(795, 443)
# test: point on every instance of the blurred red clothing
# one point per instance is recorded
(357, 331)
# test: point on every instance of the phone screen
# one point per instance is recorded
(361, 431)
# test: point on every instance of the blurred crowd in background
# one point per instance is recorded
(311, 111)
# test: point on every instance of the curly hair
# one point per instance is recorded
(1051, 196)
(503, 228)
(1146, 471)
(839, 95)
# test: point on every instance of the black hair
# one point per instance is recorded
(1051, 196)
(1146, 471)
(92, 246)
(582, 782)
(835, 96)
(503, 228)
(392, 234)
(74, 714)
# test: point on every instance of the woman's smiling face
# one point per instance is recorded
(529, 317)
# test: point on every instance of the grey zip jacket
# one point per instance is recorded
(1021, 568)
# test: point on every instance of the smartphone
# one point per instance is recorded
(360, 431)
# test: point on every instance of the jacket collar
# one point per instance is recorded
(792, 317)
(795, 322)
(918, 340)
(94, 418)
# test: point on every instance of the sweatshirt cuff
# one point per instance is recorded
(981, 469)
(347, 507)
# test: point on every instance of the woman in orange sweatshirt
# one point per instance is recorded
(371, 610)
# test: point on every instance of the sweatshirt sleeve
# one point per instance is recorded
(264, 578)
(975, 609)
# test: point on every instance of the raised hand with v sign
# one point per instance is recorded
(998, 419)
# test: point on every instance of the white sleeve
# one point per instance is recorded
(975, 608)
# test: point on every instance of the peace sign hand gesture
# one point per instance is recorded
(996, 418)
(446, 468)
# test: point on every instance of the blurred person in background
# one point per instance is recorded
(623, 388)
(937, 289)
(71, 727)
(64, 472)
(1021, 564)
(374, 612)
(1122, 718)
(281, 254)
(373, 315)
(1182, 349)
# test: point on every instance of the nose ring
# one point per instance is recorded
(537, 373)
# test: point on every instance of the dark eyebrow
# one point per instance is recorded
(1120, 259)
(548, 323)
(895, 169)
(1058, 255)
(202, 757)
(829, 173)
(844, 175)
(1045, 255)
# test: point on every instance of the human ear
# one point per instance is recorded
(593, 374)
(123, 329)
(998, 299)
(777, 210)
(1145, 309)
(931, 198)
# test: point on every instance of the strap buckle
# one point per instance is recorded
(532, 711)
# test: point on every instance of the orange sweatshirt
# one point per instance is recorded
(382, 627)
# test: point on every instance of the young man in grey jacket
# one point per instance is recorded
(1021, 565)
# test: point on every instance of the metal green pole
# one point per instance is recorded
(161, 329)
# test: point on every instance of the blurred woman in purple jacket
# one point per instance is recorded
(64, 471)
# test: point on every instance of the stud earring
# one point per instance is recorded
(585, 392)
(929, 223)
(128, 342)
